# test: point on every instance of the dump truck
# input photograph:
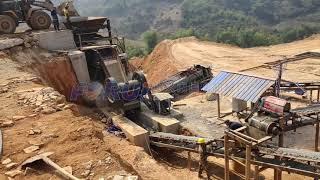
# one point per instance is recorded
(32, 12)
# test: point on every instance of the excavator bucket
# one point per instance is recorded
(72, 9)
(84, 24)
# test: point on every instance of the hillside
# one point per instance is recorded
(170, 56)
(219, 20)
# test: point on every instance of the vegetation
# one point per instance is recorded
(134, 51)
(249, 23)
(245, 23)
(151, 40)
(182, 33)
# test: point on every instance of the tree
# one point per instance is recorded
(150, 38)
(183, 33)
(228, 36)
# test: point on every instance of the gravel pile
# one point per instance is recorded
(45, 100)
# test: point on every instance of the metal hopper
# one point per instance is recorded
(86, 24)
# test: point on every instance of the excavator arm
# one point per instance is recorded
(46, 4)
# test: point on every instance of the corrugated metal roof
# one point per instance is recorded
(239, 86)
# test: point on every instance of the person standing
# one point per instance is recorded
(203, 164)
(233, 125)
(55, 19)
(66, 12)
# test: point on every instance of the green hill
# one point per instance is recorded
(241, 22)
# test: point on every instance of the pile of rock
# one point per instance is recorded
(123, 175)
(10, 42)
(45, 100)
(30, 41)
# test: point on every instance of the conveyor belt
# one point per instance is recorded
(166, 136)
(311, 110)
(164, 85)
(287, 60)
(297, 154)
(180, 82)
(296, 161)
(188, 143)
(293, 166)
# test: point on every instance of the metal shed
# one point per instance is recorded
(239, 86)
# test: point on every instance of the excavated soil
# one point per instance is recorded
(55, 70)
(73, 133)
(76, 135)
(159, 65)
(171, 56)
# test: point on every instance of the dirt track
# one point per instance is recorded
(183, 53)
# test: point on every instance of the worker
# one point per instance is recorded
(203, 164)
(55, 19)
(66, 13)
(233, 125)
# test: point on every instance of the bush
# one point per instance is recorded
(183, 33)
(133, 51)
(252, 38)
(150, 38)
(246, 38)
(228, 36)
(292, 34)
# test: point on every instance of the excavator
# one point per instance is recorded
(32, 12)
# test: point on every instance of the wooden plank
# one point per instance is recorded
(237, 161)
(248, 162)
(1, 143)
(316, 143)
(264, 139)
(244, 136)
(256, 172)
(241, 129)
(44, 158)
(238, 138)
(60, 170)
(189, 161)
(226, 158)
